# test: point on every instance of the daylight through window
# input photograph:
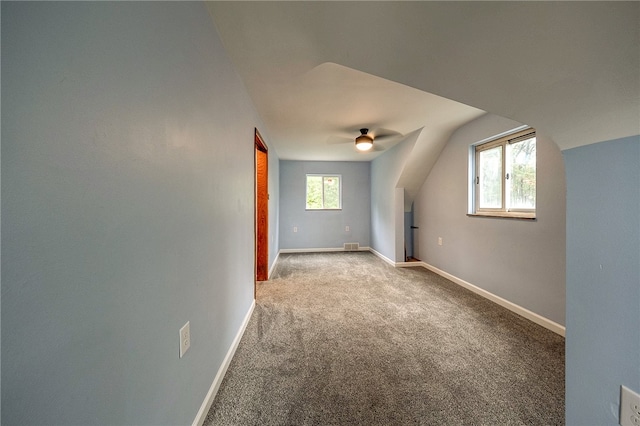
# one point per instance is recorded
(324, 192)
(505, 181)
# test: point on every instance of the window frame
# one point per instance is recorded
(504, 140)
(323, 176)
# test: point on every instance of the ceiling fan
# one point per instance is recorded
(365, 141)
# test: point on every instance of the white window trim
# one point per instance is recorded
(503, 212)
(323, 175)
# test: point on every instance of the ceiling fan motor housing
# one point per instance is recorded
(364, 142)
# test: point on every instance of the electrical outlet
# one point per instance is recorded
(295, 229)
(346, 228)
(439, 241)
(629, 407)
(185, 338)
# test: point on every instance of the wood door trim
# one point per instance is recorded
(260, 142)
(261, 211)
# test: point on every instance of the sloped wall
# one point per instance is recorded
(518, 260)
(387, 201)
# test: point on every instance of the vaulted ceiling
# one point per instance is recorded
(321, 70)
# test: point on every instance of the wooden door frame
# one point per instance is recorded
(259, 145)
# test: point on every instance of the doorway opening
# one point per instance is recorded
(261, 210)
(410, 238)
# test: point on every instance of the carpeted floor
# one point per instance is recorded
(345, 339)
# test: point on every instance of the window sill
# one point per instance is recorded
(503, 215)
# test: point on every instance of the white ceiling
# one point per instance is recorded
(318, 114)
(317, 70)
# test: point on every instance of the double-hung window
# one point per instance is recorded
(324, 192)
(505, 176)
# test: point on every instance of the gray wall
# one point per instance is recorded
(521, 261)
(603, 278)
(324, 229)
(127, 210)
(387, 201)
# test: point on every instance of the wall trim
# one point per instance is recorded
(319, 250)
(383, 257)
(523, 312)
(408, 264)
(217, 381)
(273, 265)
(396, 264)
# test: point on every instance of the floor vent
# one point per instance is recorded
(351, 246)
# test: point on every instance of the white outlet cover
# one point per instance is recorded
(629, 407)
(185, 338)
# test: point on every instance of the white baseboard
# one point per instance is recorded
(531, 316)
(310, 250)
(213, 390)
(383, 257)
(320, 250)
(408, 264)
(273, 265)
(396, 264)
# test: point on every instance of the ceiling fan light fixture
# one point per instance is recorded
(364, 142)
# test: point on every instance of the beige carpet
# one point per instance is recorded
(345, 339)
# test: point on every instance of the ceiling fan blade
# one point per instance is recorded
(349, 132)
(385, 134)
(334, 140)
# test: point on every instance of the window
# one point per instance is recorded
(324, 192)
(505, 176)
